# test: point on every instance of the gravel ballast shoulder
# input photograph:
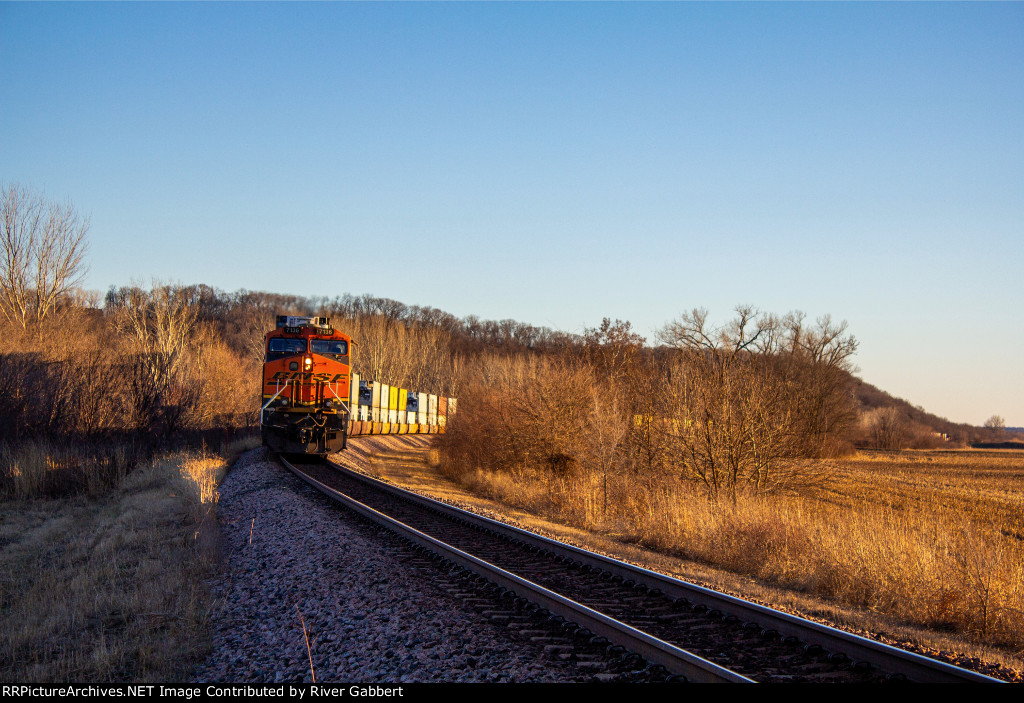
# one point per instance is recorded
(374, 609)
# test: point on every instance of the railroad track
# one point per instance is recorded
(692, 632)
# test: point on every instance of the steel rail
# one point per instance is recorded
(675, 660)
(914, 667)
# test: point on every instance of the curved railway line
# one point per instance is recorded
(690, 631)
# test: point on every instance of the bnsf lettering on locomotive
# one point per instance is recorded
(328, 378)
(307, 376)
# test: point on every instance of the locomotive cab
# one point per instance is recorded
(306, 374)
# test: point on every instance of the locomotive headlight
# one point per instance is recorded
(307, 363)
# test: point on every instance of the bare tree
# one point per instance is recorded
(732, 424)
(996, 422)
(606, 431)
(161, 321)
(754, 404)
(253, 325)
(828, 344)
(613, 347)
(43, 248)
(888, 429)
(160, 324)
(996, 427)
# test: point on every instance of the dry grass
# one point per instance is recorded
(930, 539)
(928, 569)
(36, 468)
(109, 589)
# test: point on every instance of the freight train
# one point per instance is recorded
(312, 402)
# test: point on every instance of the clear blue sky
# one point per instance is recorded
(556, 163)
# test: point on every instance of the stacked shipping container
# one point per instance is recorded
(379, 409)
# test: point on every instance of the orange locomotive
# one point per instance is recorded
(306, 374)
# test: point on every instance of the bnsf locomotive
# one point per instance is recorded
(312, 402)
(306, 375)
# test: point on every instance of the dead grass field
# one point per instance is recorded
(918, 548)
(109, 588)
(986, 486)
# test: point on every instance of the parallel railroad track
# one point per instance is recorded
(692, 632)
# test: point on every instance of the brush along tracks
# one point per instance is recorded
(682, 629)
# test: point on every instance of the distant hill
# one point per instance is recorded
(871, 397)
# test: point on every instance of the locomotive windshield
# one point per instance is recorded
(334, 348)
(280, 348)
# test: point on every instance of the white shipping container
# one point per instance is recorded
(431, 409)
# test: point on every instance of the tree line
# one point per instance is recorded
(760, 402)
